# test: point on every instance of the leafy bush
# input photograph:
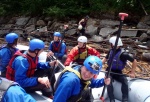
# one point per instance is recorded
(62, 8)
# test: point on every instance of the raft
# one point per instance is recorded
(139, 89)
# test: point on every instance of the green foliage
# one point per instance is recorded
(55, 12)
(62, 8)
(2, 11)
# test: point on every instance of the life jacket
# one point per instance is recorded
(81, 56)
(117, 64)
(4, 86)
(10, 74)
(55, 47)
(74, 98)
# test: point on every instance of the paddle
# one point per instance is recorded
(122, 16)
(125, 75)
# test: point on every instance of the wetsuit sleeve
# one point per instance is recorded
(95, 83)
(5, 56)
(92, 51)
(62, 51)
(50, 46)
(71, 56)
(21, 66)
(43, 65)
(125, 56)
(107, 55)
(17, 94)
(66, 88)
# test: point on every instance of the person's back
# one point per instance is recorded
(12, 92)
(6, 52)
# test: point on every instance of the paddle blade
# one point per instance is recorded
(102, 99)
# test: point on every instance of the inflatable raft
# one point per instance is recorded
(139, 90)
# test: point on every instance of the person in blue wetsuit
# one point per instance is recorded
(7, 51)
(73, 83)
(57, 47)
(12, 92)
(25, 69)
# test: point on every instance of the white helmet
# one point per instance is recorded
(82, 39)
(80, 27)
(113, 39)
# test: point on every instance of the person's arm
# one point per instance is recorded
(95, 83)
(17, 94)
(68, 86)
(105, 58)
(50, 53)
(124, 57)
(21, 66)
(50, 46)
(82, 20)
(71, 56)
(92, 51)
(134, 64)
(46, 65)
(5, 56)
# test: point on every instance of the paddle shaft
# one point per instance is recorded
(114, 51)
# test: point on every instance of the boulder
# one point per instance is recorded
(146, 57)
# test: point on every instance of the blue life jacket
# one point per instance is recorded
(117, 64)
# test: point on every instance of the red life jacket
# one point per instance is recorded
(10, 74)
(56, 48)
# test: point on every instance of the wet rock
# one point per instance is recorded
(146, 57)
(32, 21)
(71, 31)
(142, 25)
(129, 33)
(143, 37)
(148, 43)
(22, 21)
(30, 28)
(40, 23)
(104, 32)
(96, 38)
(106, 23)
(91, 30)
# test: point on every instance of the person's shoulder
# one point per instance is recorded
(70, 77)
(63, 43)
(4, 49)
(75, 47)
(52, 42)
(21, 58)
(89, 47)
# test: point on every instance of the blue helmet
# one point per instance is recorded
(36, 44)
(11, 37)
(57, 34)
(93, 64)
